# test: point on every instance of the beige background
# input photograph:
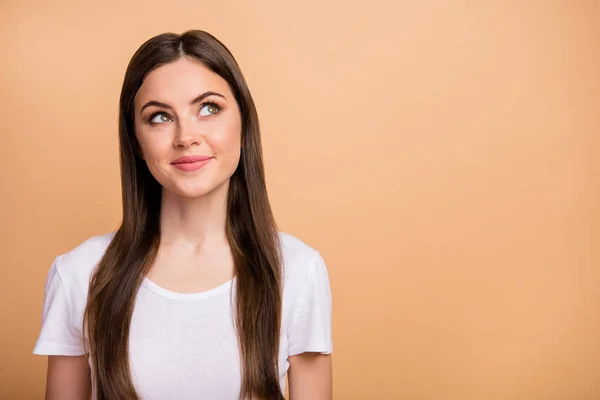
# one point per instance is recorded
(442, 155)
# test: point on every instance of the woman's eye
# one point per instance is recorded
(209, 109)
(160, 118)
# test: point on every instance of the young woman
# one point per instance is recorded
(196, 295)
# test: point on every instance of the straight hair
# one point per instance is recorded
(250, 227)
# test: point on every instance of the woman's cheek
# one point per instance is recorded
(224, 142)
(157, 148)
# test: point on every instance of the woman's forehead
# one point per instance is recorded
(180, 81)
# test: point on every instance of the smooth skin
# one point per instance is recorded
(181, 109)
(68, 378)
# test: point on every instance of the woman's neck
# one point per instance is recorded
(194, 221)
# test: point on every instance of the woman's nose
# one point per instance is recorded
(187, 133)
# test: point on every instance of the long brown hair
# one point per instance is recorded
(251, 232)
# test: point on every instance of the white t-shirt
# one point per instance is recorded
(184, 345)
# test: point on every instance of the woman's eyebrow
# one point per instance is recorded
(197, 99)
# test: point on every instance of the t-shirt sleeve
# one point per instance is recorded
(59, 334)
(310, 327)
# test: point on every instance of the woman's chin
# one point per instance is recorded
(196, 190)
(192, 193)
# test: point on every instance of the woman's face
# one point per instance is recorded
(188, 125)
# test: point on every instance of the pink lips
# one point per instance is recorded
(191, 163)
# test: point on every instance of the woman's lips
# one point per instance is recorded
(191, 163)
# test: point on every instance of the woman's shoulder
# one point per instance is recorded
(77, 263)
(301, 262)
(295, 251)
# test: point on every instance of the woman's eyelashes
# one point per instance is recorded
(206, 110)
(159, 118)
(211, 108)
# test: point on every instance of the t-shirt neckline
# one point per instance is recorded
(187, 296)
